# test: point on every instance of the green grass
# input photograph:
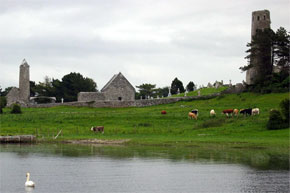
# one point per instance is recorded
(203, 92)
(148, 126)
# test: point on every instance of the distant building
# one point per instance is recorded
(117, 89)
(20, 95)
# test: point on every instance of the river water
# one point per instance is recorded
(86, 168)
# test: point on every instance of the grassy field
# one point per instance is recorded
(148, 126)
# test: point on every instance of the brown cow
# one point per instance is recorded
(98, 129)
(236, 112)
(228, 112)
(192, 116)
(163, 112)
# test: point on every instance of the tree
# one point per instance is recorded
(190, 86)
(6, 91)
(162, 91)
(146, 90)
(175, 85)
(281, 48)
(74, 83)
(260, 54)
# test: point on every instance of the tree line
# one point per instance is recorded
(71, 84)
(149, 90)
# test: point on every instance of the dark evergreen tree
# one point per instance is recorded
(74, 83)
(175, 85)
(281, 48)
(260, 54)
(190, 86)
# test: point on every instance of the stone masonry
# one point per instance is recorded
(117, 89)
(260, 20)
(21, 95)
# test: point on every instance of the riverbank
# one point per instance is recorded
(147, 126)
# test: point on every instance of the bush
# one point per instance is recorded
(16, 109)
(275, 120)
(213, 123)
(3, 101)
(284, 105)
(1, 111)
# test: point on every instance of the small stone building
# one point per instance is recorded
(117, 89)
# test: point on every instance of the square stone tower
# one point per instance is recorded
(260, 20)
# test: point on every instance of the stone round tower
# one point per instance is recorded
(260, 20)
(24, 84)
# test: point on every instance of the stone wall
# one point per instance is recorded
(136, 103)
(90, 96)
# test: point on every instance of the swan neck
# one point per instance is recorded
(27, 178)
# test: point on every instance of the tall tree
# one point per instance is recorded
(74, 83)
(175, 85)
(260, 54)
(190, 86)
(281, 48)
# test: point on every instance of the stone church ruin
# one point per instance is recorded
(117, 89)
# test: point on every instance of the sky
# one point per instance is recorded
(149, 41)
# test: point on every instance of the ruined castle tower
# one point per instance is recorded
(24, 85)
(260, 20)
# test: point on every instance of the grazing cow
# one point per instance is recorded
(212, 113)
(228, 112)
(98, 129)
(163, 112)
(195, 111)
(255, 111)
(236, 112)
(246, 112)
(191, 115)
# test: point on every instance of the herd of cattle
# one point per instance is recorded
(228, 112)
(194, 114)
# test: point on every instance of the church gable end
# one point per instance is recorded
(119, 88)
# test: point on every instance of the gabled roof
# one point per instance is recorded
(116, 76)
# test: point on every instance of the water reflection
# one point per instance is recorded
(263, 159)
(131, 169)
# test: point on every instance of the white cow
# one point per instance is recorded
(255, 111)
(212, 113)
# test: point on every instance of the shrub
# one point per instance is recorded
(284, 105)
(3, 101)
(16, 109)
(1, 110)
(213, 123)
(275, 120)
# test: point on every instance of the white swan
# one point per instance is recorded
(29, 183)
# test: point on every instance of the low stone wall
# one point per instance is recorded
(116, 104)
(90, 96)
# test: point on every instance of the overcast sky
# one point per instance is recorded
(149, 41)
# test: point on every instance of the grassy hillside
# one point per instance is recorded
(203, 91)
(148, 126)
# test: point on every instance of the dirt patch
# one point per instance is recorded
(98, 141)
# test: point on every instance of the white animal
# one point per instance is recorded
(28, 182)
(255, 111)
(212, 113)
